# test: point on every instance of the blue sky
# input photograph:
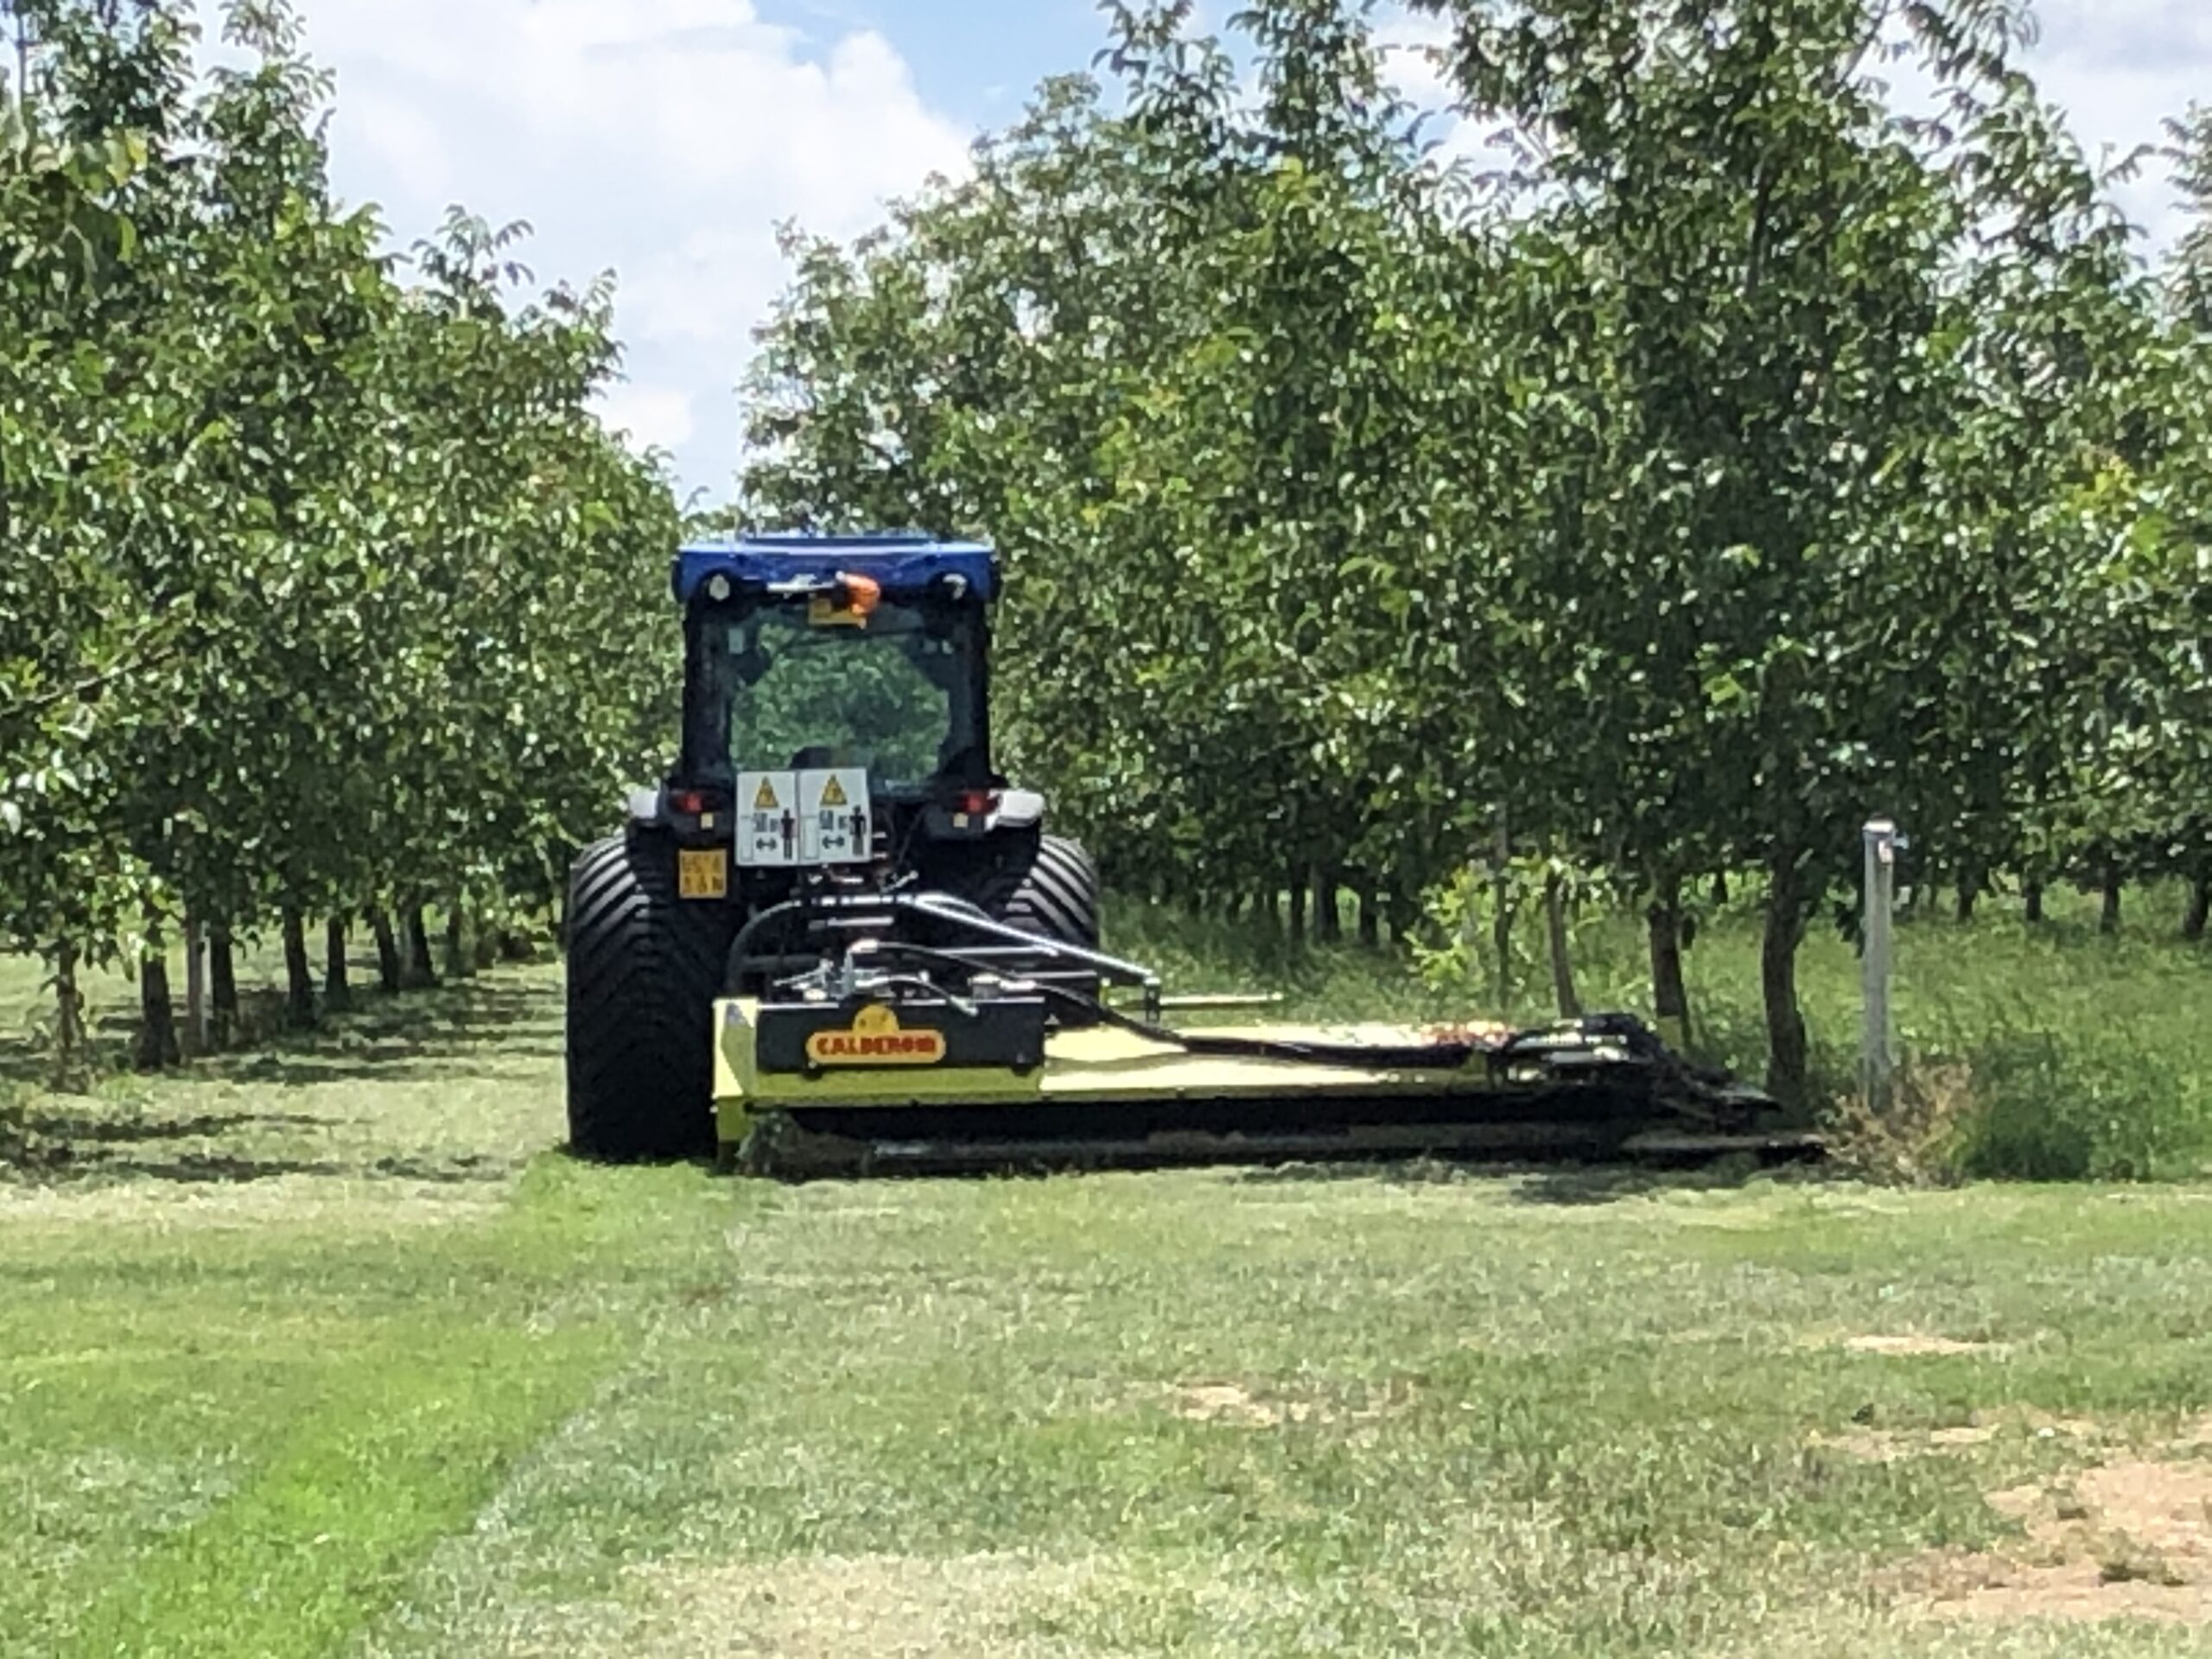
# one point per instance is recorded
(974, 60)
(664, 139)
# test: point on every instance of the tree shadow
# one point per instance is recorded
(451, 1022)
(417, 1032)
(82, 1129)
(226, 1168)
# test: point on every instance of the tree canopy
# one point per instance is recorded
(325, 591)
(1743, 454)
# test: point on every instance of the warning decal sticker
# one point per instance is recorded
(767, 830)
(834, 827)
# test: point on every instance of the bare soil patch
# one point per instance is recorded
(1895, 1446)
(2127, 1539)
(1916, 1343)
(1232, 1403)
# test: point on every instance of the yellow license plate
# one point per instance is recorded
(702, 873)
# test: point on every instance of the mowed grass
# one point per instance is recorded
(324, 1351)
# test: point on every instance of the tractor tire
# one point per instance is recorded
(644, 971)
(1052, 891)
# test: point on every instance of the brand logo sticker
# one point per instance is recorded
(876, 1038)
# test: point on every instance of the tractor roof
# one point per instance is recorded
(899, 564)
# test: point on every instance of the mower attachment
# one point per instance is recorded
(961, 1084)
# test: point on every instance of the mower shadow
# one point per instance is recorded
(1563, 1183)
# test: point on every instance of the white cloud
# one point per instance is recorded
(661, 139)
(2118, 68)
(658, 416)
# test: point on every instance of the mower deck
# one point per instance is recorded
(1105, 1095)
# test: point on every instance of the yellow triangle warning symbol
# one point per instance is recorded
(833, 792)
(764, 800)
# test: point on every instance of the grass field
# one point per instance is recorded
(322, 1350)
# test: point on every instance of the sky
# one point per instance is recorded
(665, 140)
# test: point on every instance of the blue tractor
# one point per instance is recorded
(835, 936)
(836, 747)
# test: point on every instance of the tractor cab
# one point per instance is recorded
(868, 652)
(834, 770)
(836, 703)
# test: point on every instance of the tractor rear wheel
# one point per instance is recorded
(644, 970)
(1052, 891)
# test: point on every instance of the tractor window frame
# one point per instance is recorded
(705, 758)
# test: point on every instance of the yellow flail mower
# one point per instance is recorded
(836, 940)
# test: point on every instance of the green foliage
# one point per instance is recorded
(1742, 458)
(325, 589)
(2069, 1055)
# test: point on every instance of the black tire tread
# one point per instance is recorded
(1054, 894)
(644, 969)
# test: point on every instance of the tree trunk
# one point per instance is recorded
(485, 948)
(1370, 916)
(1719, 888)
(389, 977)
(1670, 995)
(1501, 910)
(2031, 902)
(157, 1044)
(69, 1014)
(1298, 888)
(459, 964)
(1271, 907)
(299, 978)
(1328, 915)
(337, 985)
(2108, 911)
(222, 985)
(1969, 890)
(421, 972)
(195, 983)
(1563, 991)
(2199, 912)
(1787, 1054)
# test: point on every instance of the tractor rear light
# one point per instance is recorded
(977, 803)
(862, 595)
(692, 801)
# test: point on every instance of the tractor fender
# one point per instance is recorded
(1019, 809)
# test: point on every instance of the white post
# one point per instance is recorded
(195, 984)
(1876, 1061)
